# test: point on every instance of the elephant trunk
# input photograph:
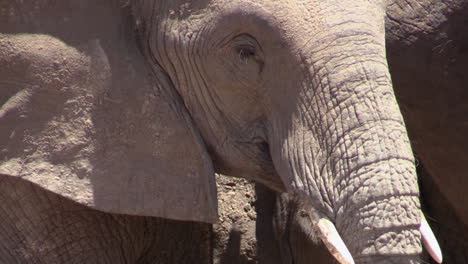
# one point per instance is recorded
(370, 165)
(346, 151)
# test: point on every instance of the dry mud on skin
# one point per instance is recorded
(244, 232)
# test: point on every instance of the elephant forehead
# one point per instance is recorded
(297, 24)
(291, 16)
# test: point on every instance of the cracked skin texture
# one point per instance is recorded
(427, 49)
(355, 154)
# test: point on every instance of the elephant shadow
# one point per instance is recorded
(232, 253)
(266, 246)
(287, 244)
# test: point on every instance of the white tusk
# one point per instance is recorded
(333, 241)
(429, 240)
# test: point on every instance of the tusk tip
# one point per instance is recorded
(333, 241)
(429, 241)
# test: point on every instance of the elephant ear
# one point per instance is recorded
(85, 117)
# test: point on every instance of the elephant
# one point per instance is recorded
(429, 73)
(427, 46)
(115, 115)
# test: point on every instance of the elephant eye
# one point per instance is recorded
(246, 52)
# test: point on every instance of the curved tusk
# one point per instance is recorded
(333, 241)
(429, 240)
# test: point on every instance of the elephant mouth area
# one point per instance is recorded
(268, 175)
(252, 161)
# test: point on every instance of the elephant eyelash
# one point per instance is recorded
(246, 52)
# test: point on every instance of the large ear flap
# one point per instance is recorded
(88, 119)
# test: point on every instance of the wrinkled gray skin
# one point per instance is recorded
(427, 53)
(39, 226)
(130, 108)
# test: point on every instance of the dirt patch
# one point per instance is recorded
(244, 233)
(235, 239)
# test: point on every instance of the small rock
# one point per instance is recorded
(231, 184)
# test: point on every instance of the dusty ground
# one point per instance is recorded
(244, 233)
(235, 231)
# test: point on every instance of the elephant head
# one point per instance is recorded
(134, 108)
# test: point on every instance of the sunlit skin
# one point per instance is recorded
(135, 115)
